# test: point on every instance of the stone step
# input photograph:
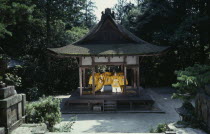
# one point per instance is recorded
(2, 130)
(31, 129)
(110, 105)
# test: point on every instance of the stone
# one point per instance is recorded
(2, 85)
(170, 132)
(12, 100)
(2, 130)
(11, 112)
(23, 104)
(97, 108)
(31, 129)
(19, 107)
(7, 92)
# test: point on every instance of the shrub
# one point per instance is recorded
(66, 126)
(161, 128)
(190, 80)
(46, 110)
(11, 79)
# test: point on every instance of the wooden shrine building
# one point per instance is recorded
(108, 44)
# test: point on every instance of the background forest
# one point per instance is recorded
(28, 27)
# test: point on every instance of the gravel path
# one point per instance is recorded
(129, 122)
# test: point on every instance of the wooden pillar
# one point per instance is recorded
(93, 73)
(121, 67)
(138, 74)
(138, 80)
(125, 78)
(84, 78)
(80, 80)
(93, 80)
(134, 77)
(125, 72)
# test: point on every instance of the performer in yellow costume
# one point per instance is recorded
(96, 78)
(100, 83)
(115, 83)
(107, 78)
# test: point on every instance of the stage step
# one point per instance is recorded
(110, 105)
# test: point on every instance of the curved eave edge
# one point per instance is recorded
(164, 51)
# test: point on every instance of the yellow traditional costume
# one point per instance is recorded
(107, 78)
(115, 81)
(122, 83)
(96, 78)
(100, 83)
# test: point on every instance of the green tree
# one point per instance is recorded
(179, 24)
(13, 12)
(89, 13)
(191, 80)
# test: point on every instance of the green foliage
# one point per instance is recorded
(65, 126)
(179, 24)
(28, 28)
(89, 13)
(46, 110)
(32, 94)
(161, 128)
(11, 79)
(13, 12)
(76, 33)
(190, 80)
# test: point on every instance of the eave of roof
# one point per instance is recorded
(86, 47)
(115, 49)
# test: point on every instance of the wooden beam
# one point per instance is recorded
(125, 78)
(80, 80)
(84, 78)
(109, 63)
(138, 74)
(93, 80)
(93, 74)
(125, 72)
(80, 61)
(86, 66)
(134, 77)
(124, 60)
(138, 80)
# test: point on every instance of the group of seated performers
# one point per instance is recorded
(116, 80)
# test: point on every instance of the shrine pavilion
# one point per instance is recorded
(111, 45)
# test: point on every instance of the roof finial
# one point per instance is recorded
(107, 13)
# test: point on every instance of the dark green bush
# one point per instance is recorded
(190, 80)
(32, 94)
(46, 110)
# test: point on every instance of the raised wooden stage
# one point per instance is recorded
(109, 102)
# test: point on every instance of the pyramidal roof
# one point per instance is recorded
(108, 38)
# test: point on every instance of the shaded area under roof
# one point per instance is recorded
(109, 38)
